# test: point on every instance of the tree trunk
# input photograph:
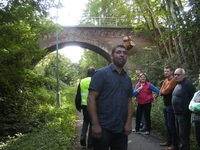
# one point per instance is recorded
(153, 16)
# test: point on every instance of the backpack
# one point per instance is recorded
(194, 105)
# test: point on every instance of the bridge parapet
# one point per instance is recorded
(105, 22)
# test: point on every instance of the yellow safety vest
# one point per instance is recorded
(84, 85)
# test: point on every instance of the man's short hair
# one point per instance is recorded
(169, 67)
(90, 72)
(121, 46)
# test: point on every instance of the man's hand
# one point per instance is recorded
(97, 131)
(127, 129)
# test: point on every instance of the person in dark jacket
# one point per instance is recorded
(81, 103)
(181, 98)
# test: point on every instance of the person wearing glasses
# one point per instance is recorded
(166, 90)
(110, 103)
(181, 97)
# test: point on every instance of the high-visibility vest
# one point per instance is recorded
(84, 85)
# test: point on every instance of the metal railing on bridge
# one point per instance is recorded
(105, 22)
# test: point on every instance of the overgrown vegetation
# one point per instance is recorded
(29, 116)
(49, 127)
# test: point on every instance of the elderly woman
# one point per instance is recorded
(143, 92)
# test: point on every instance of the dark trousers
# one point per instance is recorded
(143, 123)
(114, 141)
(146, 108)
(86, 124)
(170, 123)
(184, 131)
(197, 131)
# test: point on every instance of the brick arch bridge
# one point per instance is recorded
(98, 39)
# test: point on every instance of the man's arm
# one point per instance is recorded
(128, 125)
(92, 109)
(191, 89)
(166, 89)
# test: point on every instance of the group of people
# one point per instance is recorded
(177, 92)
(106, 101)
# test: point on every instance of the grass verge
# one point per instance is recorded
(57, 133)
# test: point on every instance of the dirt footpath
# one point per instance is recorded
(135, 141)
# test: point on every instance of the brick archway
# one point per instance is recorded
(83, 45)
(98, 39)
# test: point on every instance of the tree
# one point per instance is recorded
(173, 30)
(91, 59)
(107, 12)
(22, 24)
(68, 72)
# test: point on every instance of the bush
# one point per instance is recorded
(55, 133)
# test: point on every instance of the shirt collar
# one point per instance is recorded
(113, 69)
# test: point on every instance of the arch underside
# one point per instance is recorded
(83, 45)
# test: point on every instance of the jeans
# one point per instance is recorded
(170, 123)
(146, 108)
(143, 123)
(197, 131)
(86, 124)
(184, 131)
(114, 141)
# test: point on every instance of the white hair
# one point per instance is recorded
(182, 70)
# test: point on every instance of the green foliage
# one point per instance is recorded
(193, 138)
(157, 116)
(173, 31)
(22, 24)
(90, 59)
(146, 62)
(55, 133)
(18, 110)
(67, 70)
(28, 101)
(108, 9)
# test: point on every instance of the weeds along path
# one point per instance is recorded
(79, 121)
